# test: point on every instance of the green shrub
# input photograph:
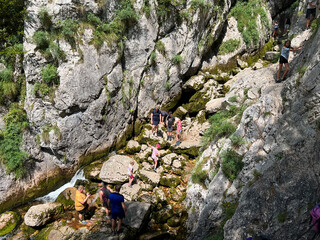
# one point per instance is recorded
(127, 13)
(295, 5)
(56, 51)
(146, 8)
(6, 75)
(41, 39)
(233, 99)
(153, 57)
(198, 175)
(232, 164)
(49, 74)
(200, 4)
(93, 19)
(229, 46)
(176, 59)
(11, 139)
(315, 24)
(45, 18)
(42, 90)
(237, 141)
(10, 90)
(160, 47)
(69, 29)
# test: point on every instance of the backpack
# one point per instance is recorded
(315, 214)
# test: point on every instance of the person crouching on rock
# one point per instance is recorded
(81, 204)
(130, 172)
(118, 209)
(104, 193)
(155, 155)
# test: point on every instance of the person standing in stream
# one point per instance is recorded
(284, 59)
(155, 119)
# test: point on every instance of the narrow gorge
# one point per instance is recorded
(78, 82)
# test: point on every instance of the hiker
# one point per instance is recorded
(104, 193)
(179, 129)
(311, 12)
(81, 204)
(170, 123)
(130, 172)
(164, 116)
(155, 119)
(275, 29)
(284, 59)
(118, 209)
(287, 25)
(155, 155)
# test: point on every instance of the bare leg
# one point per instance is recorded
(113, 225)
(130, 181)
(155, 164)
(119, 224)
(80, 217)
(286, 71)
(279, 71)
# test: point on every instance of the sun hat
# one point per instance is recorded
(158, 145)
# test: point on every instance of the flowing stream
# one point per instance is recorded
(52, 196)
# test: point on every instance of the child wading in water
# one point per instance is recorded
(155, 155)
(130, 172)
(284, 59)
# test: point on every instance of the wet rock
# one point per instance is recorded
(177, 195)
(64, 232)
(160, 196)
(8, 222)
(163, 215)
(137, 215)
(214, 105)
(133, 147)
(41, 214)
(67, 197)
(115, 169)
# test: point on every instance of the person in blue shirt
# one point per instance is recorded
(284, 57)
(118, 209)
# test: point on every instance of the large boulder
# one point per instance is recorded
(137, 214)
(133, 147)
(8, 222)
(167, 159)
(92, 171)
(191, 148)
(195, 83)
(130, 193)
(41, 214)
(150, 177)
(115, 169)
(214, 105)
(170, 181)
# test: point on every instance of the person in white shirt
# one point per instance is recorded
(311, 11)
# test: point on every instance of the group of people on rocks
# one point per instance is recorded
(111, 200)
(168, 120)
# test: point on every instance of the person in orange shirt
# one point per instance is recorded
(81, 204)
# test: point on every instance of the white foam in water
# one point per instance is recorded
(52, 196)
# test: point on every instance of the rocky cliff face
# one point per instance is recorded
(277, 184)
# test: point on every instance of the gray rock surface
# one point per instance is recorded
(41, 214)
(137, 215)
(214, 105)
(115, 169)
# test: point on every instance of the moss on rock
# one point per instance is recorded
(91, 172)
(8, 222)
(196, 103)
(190, 152)
(170, 181)
(174, 222)
(163, 215)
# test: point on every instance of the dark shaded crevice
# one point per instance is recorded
(71, 110)
(51, 152)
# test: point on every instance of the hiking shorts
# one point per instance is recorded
(283, 60)
(155, 122)
(169, 128)
(106, 205)
(311, 13)
(83, 211)
(131, 176)
(117, 215)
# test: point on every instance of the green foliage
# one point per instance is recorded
(41, 39)
(295, 5)
(50, 75)
(220, 126)
(146, 8)
(56, 52)
(217, 236)
(200, 4)
(315, 24)
(233, 99)
(11, 139)
(246, 12)
(42, 90)
(198, 175)
(68, 29)
(176, 59)
(282, 217)
(153, 57)
(167, 85)
(237, 141)
(232, 164)
(127, 14)
(229, 46)
(160, 47)
(93, 19)
(45, 18)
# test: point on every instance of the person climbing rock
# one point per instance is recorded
(155, 155)
(118, 209)
(179, 129)
(287, 25)
(164, 116)
(311, 12)
(81, 204)
(130, 172)
(284, 59)
(155, 119)
(170, 123)
(275, 29)
(104, 193)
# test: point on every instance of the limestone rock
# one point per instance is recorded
(150, 177)
(214, 105)
(64, 232)
(137, 214)
(242, 64)
(92, 171)
(8, 222)
(133, 147)
(169, 181)
(190, 148)
(176, 164)
(181, 112)
(130, 194)
(39, 215)
(195, 83)
(271, 56)
(258, 65)
(115, 169)
(167, 159)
